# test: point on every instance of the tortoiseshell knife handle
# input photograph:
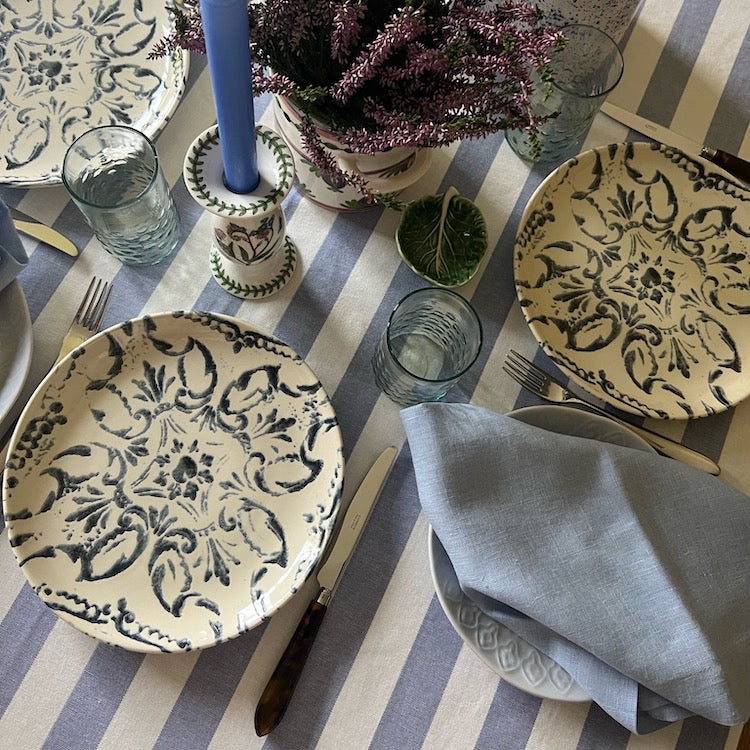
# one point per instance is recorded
(732, 164)
(278, 692)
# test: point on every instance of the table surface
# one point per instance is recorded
(387, 669)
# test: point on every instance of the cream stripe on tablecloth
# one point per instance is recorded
(383, 652)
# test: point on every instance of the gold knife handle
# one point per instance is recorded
(732, 164)
(278, 692)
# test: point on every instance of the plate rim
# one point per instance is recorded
(26, 339)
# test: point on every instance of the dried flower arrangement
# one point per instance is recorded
(381, 74)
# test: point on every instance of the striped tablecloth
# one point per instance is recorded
(388, 671)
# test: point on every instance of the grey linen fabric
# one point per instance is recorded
(12, 254)
(629, 569)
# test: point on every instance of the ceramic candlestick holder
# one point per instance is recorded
(251, 257)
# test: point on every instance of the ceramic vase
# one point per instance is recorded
(388, 172)
(251, 256)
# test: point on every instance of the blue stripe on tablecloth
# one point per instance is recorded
(29, 616)
(510, 719)
(677, 60)
(416, 696)
(698, 733)
(601, 731)
(734, 105)
(206, 694)
(102, 685)
(352, 609)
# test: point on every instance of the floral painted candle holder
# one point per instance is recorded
(251, 257)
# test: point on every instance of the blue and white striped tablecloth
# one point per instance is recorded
(388, 671)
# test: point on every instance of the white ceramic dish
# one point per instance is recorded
(173, 481)
(67, 66)
(505, 653)
(632, 266)
(16, 347)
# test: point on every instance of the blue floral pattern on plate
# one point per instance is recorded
(69, 65)
(632, 266)
(174, 481)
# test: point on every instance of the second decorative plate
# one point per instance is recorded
(67, 66)
(632, 266)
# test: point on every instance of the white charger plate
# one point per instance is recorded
(16, 348)
(67, 66)
(632, 267)
(173, 481)
(515, 660)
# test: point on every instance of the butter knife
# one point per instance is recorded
(278, 692)
(730, 163)
(34, 228)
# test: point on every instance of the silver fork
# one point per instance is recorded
(88, 316)
(541, 383)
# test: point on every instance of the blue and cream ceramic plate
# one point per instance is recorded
(505, 653)
(632, 266)
(173, 481)
(67, 66)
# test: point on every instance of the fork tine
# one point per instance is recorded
(524, 369)
(97, 302)
(85, 300)
(546, 376)
(104, 301)
(521, 380)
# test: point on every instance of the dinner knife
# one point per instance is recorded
(278, 692)
(34, 228)
(730, 163)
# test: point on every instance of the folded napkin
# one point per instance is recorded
(629, 569)
(12, 254)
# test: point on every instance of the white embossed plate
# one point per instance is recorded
(632, 266)
(505, 653)
(173, 481)
(16, 345)
(67, 66)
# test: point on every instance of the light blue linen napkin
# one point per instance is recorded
(629, 569)
(13, 256)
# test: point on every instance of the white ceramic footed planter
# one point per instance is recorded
(388, 172)
(251, 257)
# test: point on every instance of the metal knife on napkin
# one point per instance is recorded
(730, 163)
(278, 692)
(33, 228)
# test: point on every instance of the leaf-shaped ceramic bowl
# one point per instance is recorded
(442, 238)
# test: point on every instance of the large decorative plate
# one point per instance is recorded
(69, 65)
(632, 266)
(16, 345)
(173, 482)
(516, 661)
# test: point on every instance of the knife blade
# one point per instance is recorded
(733, 164)
(278, 692)
(34, 228)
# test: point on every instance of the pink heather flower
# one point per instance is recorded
(381, 74)
(402, 28)
(346, 29)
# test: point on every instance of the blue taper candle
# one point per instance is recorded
(227, 32)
